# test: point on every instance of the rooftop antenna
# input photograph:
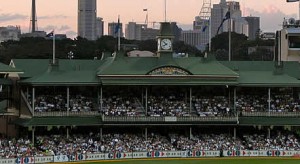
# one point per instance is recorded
(146, 19)
(165, 10)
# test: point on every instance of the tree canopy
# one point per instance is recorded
(80, 48)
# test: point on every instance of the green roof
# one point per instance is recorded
(7, 69)
(55, 121)
(122, 70)
(266, 78)
(265, 73)
(143, 65)
(67, 72)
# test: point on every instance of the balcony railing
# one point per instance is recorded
(66, 114)
(165, 119)
(270, 114)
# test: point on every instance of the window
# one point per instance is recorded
(294, 41)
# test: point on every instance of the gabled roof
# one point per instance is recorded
(31, 67)
(4, 69)
(142, 66)
(67, 72)
(265, 73)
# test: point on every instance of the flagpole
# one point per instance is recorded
(229, 39)
(209, 35)
(119, 34)
(53, 55)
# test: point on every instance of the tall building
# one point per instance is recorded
(238, 24)
(99, 27)
(176, 31)
(10, 33)
(133, 31)
(112, 29)
(218, 12)
(195, 38)
(87, 14)
(254, 27)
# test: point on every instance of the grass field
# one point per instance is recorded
(273, 160)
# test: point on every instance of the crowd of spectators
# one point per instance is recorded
(121, 106)
(55, 103)
(170, 104)
(127, 142)
(212, 106)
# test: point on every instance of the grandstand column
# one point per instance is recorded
(32, 133)
(269, 101)
(33, 97)
(146, 133)
(67, 132)
(191, 130)
(269, 132)
(146, 104)
(234, 133)
(234, 104)
(98, 98)
(27, 93)
(68, 101)
(101, 136)
(190, 100)
(101, 100)
(229, 95)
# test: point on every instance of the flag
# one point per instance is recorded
(117, 28)
(50, 34)
(206, 24)
(227, 16)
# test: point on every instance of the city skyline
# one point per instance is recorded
(62, 15)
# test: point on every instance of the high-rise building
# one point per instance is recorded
(238, 24)
(99, 27)
(112, 29)
(87, 14)
(133, 31)
(10, 33)
(254, 27)
(218, 12)
(195, 38)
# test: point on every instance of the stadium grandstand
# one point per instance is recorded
(145, 107)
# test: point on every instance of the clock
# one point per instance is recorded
(166, 44)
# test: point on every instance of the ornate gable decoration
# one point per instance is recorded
(168, 70)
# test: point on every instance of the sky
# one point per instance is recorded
(61, 15)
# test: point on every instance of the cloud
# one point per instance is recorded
(53, 17)
(10, 17)
(71, 34)
(185, 26)
(64, 29)
(271, 17)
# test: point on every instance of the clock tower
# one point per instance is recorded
(165, 38)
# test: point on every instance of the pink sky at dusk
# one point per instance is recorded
(62, 14)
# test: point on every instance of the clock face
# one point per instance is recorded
(166, 44)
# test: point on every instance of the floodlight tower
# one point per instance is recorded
(203, 20)
(205, 10)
